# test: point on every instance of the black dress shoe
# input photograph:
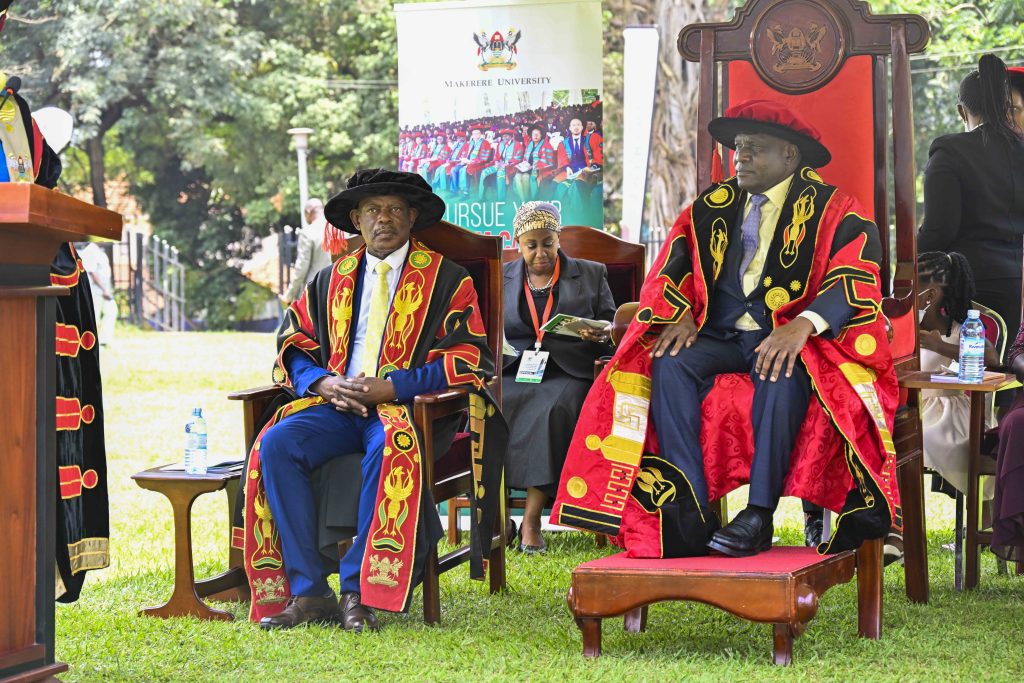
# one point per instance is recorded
(303, 611)
(511, 533)
(355, 616)
(814, 525)
(749, 533)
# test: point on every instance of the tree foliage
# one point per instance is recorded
(190, 100)
(961, 33)
(194, 98)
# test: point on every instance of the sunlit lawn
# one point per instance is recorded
(151, 382)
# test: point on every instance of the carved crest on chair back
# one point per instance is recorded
(797, 45)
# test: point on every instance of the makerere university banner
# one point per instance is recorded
(499, 103)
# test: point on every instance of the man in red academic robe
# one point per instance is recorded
(509, 153)
(773, 274)
(476, 156)
(536, 167)
(390, 321)
(440, 152)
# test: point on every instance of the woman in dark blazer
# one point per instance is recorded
(974, 190)
(543, 415)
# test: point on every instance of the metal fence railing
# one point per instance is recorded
(655, 238)
(150, 273)
(286, 245)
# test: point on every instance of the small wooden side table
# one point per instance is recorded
(181, 490)
(968, 577)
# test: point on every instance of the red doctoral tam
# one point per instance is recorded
(775, 119)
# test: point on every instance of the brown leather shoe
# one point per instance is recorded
(303, 611)
(355, 616)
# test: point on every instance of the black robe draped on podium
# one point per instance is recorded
(82, 508)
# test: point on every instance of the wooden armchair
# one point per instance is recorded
(448, 475)
(625, 262)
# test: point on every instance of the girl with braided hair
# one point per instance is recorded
(946, 285)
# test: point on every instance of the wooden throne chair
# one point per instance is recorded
(850, 78)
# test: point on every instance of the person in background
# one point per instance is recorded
(946, 286)
(310, 256)
(1016, 74)
(1008, 502)
(97, 265)
(508, 153)
(542, 415)
(536, 167)
(973, 201)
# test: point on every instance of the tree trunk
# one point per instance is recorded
(97, 171)
(672, 171)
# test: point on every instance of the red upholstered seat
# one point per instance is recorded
(778, 560)
(727, 441)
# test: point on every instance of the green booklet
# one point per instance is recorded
(571, 325)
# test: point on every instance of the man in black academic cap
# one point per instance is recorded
(368, 334)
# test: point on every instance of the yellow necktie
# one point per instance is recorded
(378, 317)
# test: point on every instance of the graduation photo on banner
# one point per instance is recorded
(506, 110)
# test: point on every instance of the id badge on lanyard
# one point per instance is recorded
(533, 363)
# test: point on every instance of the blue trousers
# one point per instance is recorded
(290, 451)
(460, 179)
(679, 385)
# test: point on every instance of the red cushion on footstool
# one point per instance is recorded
(779, 560)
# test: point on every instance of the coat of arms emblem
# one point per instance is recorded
(499, 51)
(798, 49)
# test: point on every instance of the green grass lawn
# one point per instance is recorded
(152, 381)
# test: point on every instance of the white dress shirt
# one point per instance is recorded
(396, 260)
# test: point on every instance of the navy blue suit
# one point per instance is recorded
(680, 383)
(303, 442)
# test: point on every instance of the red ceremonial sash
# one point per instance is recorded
(386, 575)
(846, 439)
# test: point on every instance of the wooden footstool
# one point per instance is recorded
(181, 490)
(780, 587)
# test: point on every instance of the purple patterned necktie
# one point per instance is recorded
(750, 231)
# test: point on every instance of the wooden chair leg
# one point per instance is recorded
(783, 644)
(431, 591)
(591, 629)
(915, 551)
(635, 620)
(869, 589)
(958, 542)
(1020, 567)
(600, 540)
(972, 548)
(454, 533)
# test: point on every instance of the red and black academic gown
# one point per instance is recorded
(616, 480)
(82, 509)
(434, 323)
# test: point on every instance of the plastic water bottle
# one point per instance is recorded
(972, 348)
(195, 443)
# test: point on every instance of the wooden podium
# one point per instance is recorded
(34, 221)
